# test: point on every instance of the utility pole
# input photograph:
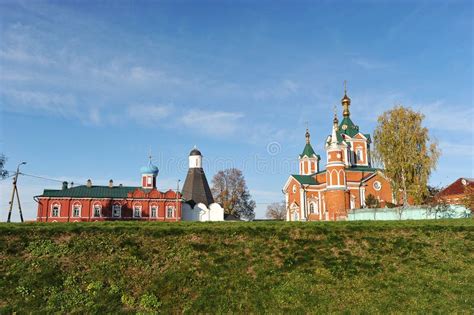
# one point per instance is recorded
(15, 191)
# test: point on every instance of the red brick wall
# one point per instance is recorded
(86, 213)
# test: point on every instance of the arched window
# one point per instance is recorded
(153, 211)
(359, 155)
(316, 203)
(170, 212)
(97, 210)
(137, 210)
(311, 207)
(116, 210)
(55, 209)
(334, 178)
(76, 209)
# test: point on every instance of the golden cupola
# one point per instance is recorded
(346, 102)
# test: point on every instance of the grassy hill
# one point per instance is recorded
(254, 267)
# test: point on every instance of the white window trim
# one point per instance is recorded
(151, 211)
(173, 213)
(53, 205)
(76, 204)
(140, 210)
(314, 207)
(114, 206)
(93, 210)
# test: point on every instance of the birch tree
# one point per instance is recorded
(405, 149)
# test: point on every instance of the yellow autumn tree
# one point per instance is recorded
(404, 148)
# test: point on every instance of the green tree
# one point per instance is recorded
(371, 201)
(440, 208)
(3, 171)
(404, 148)
(276, 211)
(430, 196)
(230, 190)
(468, 200)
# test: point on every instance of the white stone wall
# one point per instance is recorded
(202, 213)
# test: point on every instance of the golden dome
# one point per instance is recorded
(345, 99)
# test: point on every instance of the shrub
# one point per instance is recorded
(372, 202)
(149, 302)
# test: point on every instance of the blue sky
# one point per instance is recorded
(87, 88)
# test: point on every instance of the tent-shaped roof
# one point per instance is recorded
(309, 151)
(196, 189)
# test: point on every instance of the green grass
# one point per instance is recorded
(272, 267)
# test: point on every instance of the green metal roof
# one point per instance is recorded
(351, 129)
(305, 179)
(91, 192)
(309, 152)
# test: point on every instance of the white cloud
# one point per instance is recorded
(53, 103)
(447, 117)
(369, 64)
(282, 90)
(439, 115)
(22, 56)
(212, 123)
(148, 114)
(94, 116)
(456, 149)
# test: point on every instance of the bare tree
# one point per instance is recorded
(276, 211)
(230, 190)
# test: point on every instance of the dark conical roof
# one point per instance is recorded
(195, 151)
(196, 189)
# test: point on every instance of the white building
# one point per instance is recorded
(199, 204)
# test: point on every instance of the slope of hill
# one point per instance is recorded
(418, 266)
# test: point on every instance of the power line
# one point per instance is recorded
(42, 177)
(7, 177)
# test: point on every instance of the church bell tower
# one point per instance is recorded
(335, 175)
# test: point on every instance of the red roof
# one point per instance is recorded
(458, 187)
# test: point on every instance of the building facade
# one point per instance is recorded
(460, 192)
(199, 203)
(345, 183)
(109, 203)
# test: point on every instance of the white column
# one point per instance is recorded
(303, 204)
(320, 206)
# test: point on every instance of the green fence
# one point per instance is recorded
(410, 213)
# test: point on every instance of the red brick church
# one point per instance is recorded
(103, 203)
(322, 195)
